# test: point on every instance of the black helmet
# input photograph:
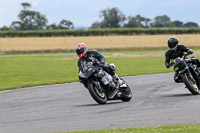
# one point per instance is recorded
(172, 43)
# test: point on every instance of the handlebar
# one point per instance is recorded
(183, 57)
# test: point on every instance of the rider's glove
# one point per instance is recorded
(189, 51)
(167, 65)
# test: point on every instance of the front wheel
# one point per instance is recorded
(193, 88)
(98, 96)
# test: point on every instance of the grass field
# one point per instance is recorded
(56, 44)
(18, 71)
(159, 129)
(24, 71)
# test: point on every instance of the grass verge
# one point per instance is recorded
(159, 129)
(26, 71)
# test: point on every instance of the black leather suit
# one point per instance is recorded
(178, 52)
(96, 58)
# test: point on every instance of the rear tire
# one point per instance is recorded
(193, 88)
(126, 93)
(99, 97)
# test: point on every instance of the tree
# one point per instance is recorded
(137, 21)
(161, 21)
(16, 25)
(146, 22)
(5, 28)
(112, 18)
(190, 24)
(177, 23)
(26, 5)
(133, 22)
(52, 27)
(66, 24)
(96, 25)
(29, 20)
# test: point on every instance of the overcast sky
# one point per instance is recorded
(85, 12)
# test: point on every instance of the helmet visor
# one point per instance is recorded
(80, 51)
(173, 46)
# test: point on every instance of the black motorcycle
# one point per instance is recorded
(104, 88)
(187, 73)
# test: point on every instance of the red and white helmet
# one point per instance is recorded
(81, 49)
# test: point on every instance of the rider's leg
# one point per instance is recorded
(117, 79)
(115, 76)
(110, 68)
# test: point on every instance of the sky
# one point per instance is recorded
(84, 12)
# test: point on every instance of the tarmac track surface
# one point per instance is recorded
(157, 100)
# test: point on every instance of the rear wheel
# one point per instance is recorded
(126, 93)
(99, 96)
(192, 87)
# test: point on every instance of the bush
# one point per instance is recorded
(99, 32)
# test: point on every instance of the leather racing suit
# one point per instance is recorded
(96, 58)
(179, 52)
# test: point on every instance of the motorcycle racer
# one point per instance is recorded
(97, 59)
(177, 50)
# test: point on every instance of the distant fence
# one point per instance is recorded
(100, 32)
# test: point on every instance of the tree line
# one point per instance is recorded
(114, 18)
(111, 18)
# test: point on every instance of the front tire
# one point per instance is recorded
(99, 97)
(193, 88)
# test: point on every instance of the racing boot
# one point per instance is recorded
(119, 81)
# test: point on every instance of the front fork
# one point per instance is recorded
(190, 75)
(98, 86)
(181, 73)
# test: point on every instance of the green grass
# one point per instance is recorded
(138, 66)
(159, 129)
(26, 71)
(18, 72)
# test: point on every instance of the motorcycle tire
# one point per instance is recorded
(126, 93)
(99, 97)
(193, 88)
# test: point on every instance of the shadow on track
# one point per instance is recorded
(179, 95)
(96, 104)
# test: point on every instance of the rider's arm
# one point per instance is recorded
(79, 65)
(80, 69)
(186, 49)
(167, 60)
(99, 56)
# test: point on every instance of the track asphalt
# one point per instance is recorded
(157, 100)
